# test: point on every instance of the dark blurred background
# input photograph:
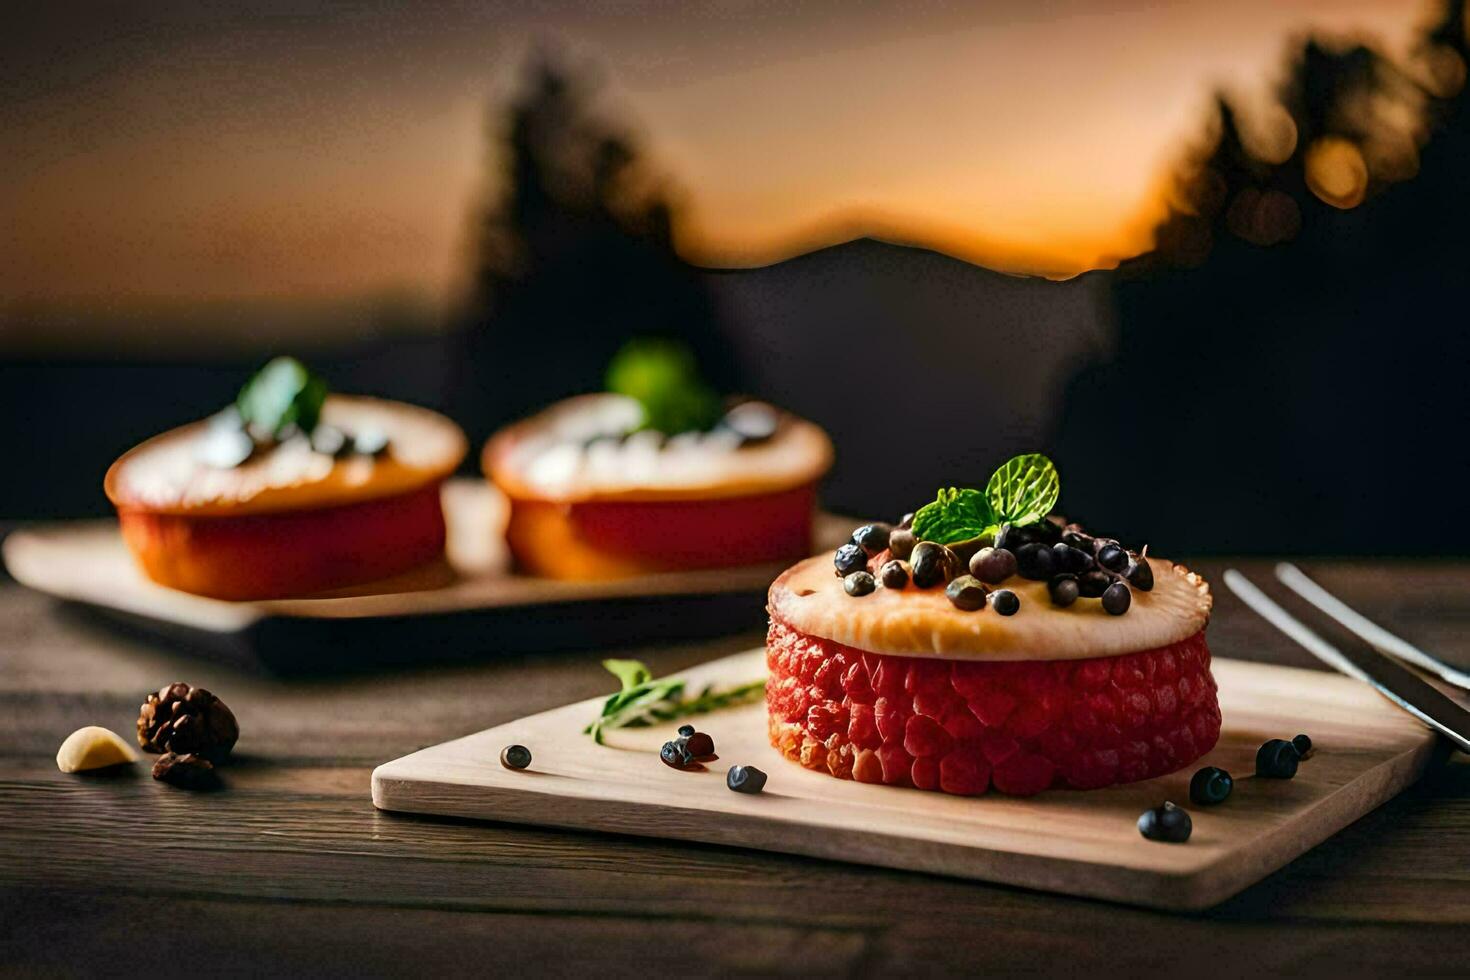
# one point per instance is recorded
(1269, 355)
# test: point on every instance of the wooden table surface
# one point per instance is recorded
(291, 869)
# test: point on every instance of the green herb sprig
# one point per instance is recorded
(1021, 492)
(662, 376)
(283, 393)
(645, 700)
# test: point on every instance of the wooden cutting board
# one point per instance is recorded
(1080, 843)
(470, 605)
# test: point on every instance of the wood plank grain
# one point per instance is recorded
(90, 870)
(1366, 752)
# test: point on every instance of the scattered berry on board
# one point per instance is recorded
(1277, 759)
(515, 757)
(745, 779)
(1210, 785)
(1168, 824)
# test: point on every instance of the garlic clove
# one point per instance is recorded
(93, 748)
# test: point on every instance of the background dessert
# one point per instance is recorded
(289, 492)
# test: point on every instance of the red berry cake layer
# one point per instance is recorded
(965, 726)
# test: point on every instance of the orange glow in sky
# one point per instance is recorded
(179, 153)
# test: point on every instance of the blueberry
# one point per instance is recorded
(1303, 745)
(849, 559)
(901, 542)
(676, 754)
(1210, 785)
(686, 730)
(992, 565)
(872, 538)
(1277, 759)
(1116, 599)
(745, 779)
(1167, 823)
(1005, 602)
(1112, 557)
(859, 583)
(1035, 561)
(1091, 585)
(966, 593)
(752, 422)
(1063, 590)
(515, 757)
(1098, 544)
(1070, 559)
(1141, 575)
(370, 442)
(932, 564)
(700, 745)
(894, 575)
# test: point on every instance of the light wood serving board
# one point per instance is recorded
(1080, 843)
(470, 604)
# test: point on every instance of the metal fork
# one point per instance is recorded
(1365, 629)
(1382, 672)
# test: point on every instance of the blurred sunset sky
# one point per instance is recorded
(185, 152)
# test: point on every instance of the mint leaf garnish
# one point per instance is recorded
(1024, 490)
(644, 701)
(1021, 492)
(661, 375)
(282, 394)
(955, 515)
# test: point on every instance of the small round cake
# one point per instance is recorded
(233, 510)
(1020, 658)
(594, 496)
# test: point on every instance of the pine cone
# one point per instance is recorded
(187, 720)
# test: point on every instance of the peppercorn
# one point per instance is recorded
(1168, 824)
(901, 542)
(745, 779)
(1070, 559)
(1116, 599)
(894, 574)
(859, 583)
(1035, 561)
(1277, 759)
(1063, 590)
(515, 757)
(1112, 557)
(992, 565)
(966, 593)
(849, 559)
(872, 538)
(1210, 785)
(1005, 602)
(1140, 575)
(1091, 585)
(931, 564)
(700, 745)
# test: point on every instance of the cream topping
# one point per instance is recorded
(167, 474)
(576, 450)
(916, 622)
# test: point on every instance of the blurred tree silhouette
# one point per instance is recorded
(1277, 384)
(572, 257)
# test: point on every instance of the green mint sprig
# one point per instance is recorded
(283, 393)
(662, 377)
(645, 701)
(1021, 492)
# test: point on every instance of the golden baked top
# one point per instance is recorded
(166, 474)
(581, 449)
(916, 622)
